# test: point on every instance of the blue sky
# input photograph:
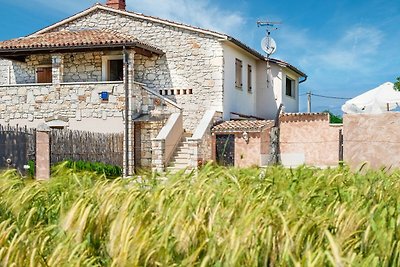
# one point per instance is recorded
(346, 47)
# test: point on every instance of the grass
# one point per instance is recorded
(216, 217)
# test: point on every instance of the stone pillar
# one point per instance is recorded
(158, 159)
(43, 152)
(57, 68)
(213, 147)
(129, 138)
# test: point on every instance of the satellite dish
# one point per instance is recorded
(268, 45)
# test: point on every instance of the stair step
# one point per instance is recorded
(177, 167)
(180, 161)
(180, 157)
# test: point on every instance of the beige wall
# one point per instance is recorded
(373, 139)
(309, 139)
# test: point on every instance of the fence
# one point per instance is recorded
(17, 147)
(86, 146)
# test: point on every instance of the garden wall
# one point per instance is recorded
(372, 138)
(309, 139)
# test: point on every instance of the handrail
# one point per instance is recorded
(170, 135)
(158, 95)
(203, 125)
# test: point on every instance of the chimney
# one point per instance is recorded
(117, 4)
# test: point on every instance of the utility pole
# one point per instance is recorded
(309, 102)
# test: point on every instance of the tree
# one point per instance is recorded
(334, 118)
(397, 84)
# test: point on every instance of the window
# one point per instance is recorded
(44, 74)
(249, 79)
(290, 90)
(112, 68)
(115, 70)
(238, 70)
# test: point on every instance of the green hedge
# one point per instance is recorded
(110, 171)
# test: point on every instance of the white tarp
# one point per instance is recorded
(375, 101)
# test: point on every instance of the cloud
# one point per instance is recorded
(201, 13)
(355, 49)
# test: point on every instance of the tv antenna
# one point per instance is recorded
(268, 44)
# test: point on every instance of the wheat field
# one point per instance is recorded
(213, 217)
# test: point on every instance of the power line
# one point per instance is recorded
(332, 97)
(325, 96)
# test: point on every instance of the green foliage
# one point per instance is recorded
(334, 118)
(32, 168)
(397, 84)
(213, 217)
(110, 171)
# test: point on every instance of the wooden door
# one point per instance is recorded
(225, 150)
(44, 75)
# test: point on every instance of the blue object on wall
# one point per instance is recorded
(104, 95)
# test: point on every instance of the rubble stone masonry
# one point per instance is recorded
(192, 63)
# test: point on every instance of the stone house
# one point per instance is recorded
(164, 83)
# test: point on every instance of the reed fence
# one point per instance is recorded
(86, 146)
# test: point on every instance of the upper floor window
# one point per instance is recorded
(290, 87)
(249, 79)
(112, 68)
(238, 74)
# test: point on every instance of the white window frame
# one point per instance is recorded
(249, 79)
(105, 72)
(238, 74)
(293, 87)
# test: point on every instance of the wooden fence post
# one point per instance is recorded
(43, 152)
(340, 146)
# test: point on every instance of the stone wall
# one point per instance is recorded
(192, 61)
(201, 146)
(82, 67)
(70, 101)
(309, 139)
(372, 139)
(78, 67)
(145, 132)
(16, 72)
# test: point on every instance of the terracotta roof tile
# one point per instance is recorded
(242, 125)
(67, 39)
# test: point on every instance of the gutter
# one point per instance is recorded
(305, 79)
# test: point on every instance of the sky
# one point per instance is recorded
(346, 47)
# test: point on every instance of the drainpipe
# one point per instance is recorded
(302, 81)
(126, 88)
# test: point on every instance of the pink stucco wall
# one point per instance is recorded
(372, 138)
(251, 153)
(309, 139)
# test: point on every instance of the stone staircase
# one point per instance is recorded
(180, 159)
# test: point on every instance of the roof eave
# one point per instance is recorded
(11, 51)
(262, 57)
(289, 66)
